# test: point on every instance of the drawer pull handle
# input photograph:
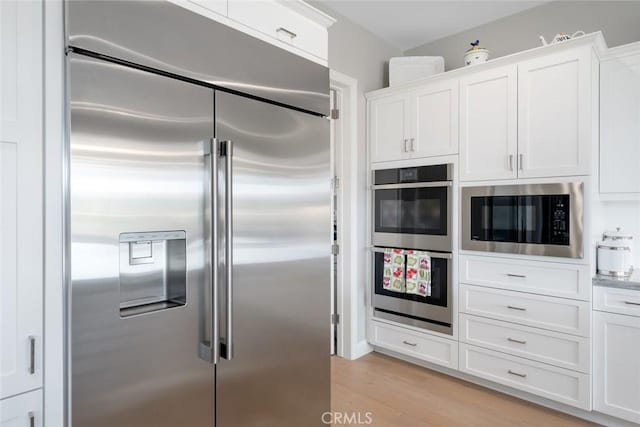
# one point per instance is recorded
(32, 419)
(517, 374)
(412, 344)
(513, 307)
(516, 341)
(519, 276)
(632, 303)
(291, 34)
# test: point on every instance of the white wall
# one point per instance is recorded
(363, 56)
(618, 20)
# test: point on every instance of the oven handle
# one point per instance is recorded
(412, 185)
(431, 254)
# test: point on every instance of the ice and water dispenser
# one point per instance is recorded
(153, 271)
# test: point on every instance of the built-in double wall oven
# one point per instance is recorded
(412, 213)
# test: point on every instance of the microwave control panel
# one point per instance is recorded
(559, 220)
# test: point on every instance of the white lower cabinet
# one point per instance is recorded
(562, 385)
(24, 410)
(617, 365)
(431, 348)
(555, 314)
(562, 350)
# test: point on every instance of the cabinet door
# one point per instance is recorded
(434, 120)
(24, 410)
(617, 365)
(20, 196)
(388, 130)
(217, 6)
(620, 124)
(554, 114)
(488, 118)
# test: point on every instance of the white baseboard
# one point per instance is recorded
(361, 348)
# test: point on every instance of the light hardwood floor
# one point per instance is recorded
(405, 395)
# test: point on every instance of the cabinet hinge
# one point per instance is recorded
(335, 249)
(335, 318)
(335, 114)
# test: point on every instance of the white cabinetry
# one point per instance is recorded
(389, 128)
(431, 348)
(617, 365)
(555, 118)
(488, 124)
(620, 121)
(292, 25)
(24, 410)
(434, 121)
(21, 197)
(415, 123)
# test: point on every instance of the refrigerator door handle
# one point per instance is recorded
(228, 216)
(209, 349)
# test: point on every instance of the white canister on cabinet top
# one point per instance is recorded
(615, 254)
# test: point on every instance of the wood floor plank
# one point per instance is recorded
(400, 394)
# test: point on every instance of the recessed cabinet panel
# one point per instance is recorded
(488, 131)
(620, 124)
(617, 365)
(435, 120)
(21, 233)
(554, 115)
(388, 128)
(24, 410)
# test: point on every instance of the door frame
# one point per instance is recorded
(350, 305)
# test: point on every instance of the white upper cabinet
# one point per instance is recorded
(555, 121)
(488, 124)
(415, 123)
(292, 25)
(617, 365)
(21, 197)
(389, 128)
(434, 119)
(620, 122)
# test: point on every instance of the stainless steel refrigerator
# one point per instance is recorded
(199, 234)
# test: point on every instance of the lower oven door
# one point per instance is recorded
(435, 309)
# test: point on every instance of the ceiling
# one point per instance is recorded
(408, 24)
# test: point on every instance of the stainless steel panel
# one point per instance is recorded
(414, 241)
(165, 36)
(575, 191)
(413, 322)
(279, 374)
(136, 165)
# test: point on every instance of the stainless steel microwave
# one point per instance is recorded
(531, 219)
(412, 208)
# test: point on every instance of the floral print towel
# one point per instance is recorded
(418, 268)
(394, 266)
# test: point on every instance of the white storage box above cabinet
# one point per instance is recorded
(404, 69)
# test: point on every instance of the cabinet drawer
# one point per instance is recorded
(561, 385)
(556, 314)
(562, 350)
(545, 278)
(616, 300)
(281, 22)
(24, 410)
(431, 348)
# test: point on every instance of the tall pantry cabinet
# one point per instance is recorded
(21, 213)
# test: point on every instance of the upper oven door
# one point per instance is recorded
(413, 215)
(535, 219)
